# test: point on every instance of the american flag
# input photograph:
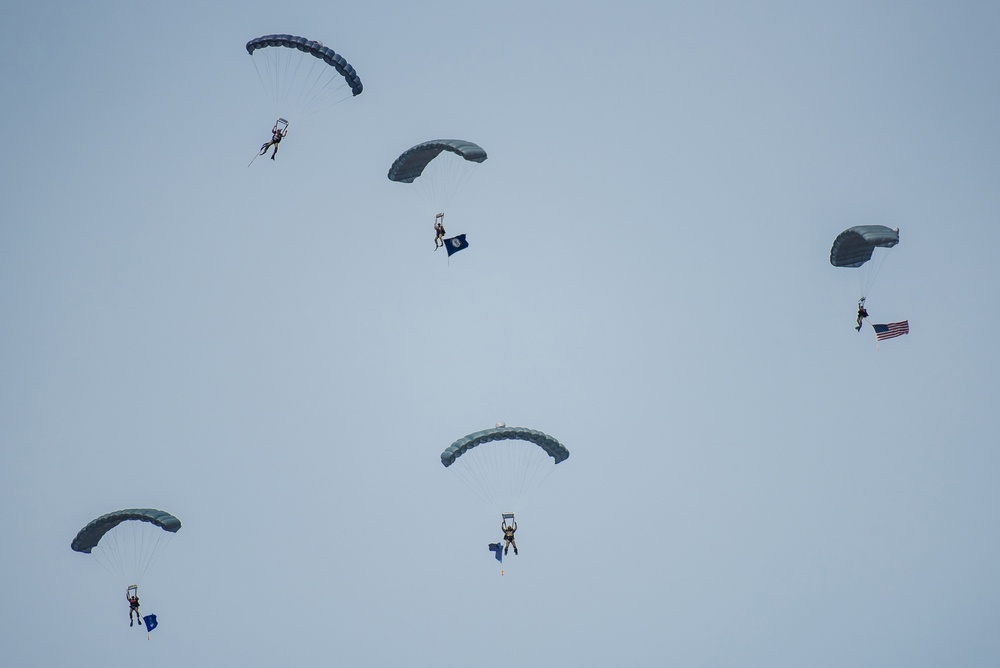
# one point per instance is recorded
(892, 330)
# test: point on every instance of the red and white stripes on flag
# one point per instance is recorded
(891, 330)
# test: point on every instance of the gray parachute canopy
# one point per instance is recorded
(412, 162)
(91, 535)
(313, 48)
(554, 448)
(854, 246)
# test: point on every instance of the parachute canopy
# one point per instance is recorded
(854, 246)
(300, 75)
(412, 162)
(127, 542)
(551, 446)
(91, 535)
(505, 464)
(313, 48)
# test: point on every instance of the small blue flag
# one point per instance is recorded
(150, 622)
(497, 549)
(455, 244)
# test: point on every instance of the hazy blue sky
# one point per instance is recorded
(277, 356)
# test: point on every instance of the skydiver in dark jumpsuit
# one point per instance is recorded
(508, 535)
(133, 607)
(439, 231)
(276, 137)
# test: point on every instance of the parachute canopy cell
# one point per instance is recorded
(412, 162)
(316, 49)
(551, 446)
(91, 535)
(854, 246)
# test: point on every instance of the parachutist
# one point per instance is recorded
(132, 596)
(862, 313)
(508, 535)
(276, 137)
(439, 231)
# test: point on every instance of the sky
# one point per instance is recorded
(277, 356)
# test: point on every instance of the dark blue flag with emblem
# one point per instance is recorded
(455, 244)
(497, 550)
(150, 622)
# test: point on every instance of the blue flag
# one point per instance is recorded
(455, 244)
(150, 622)
(497, 549)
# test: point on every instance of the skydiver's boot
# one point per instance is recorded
(131, 622)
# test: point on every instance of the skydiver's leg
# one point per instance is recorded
(514, 545)
(263, 149)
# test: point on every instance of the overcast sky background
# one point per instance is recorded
(276, 355)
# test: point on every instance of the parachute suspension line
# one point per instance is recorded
(315, 100)
(257, 70)
(160, 540)
(442, 180)
(145, 539)
(269, 76)
(103, 555)
(872, 272)
(274, 79)
(135, 542)
(479, 474)
(325, 100)
(128, 550)
(299, 84)
(290, 80)
(465, 173)
(471, 480)
(286, 79)
(114, 551)
(504, 473)
(307, 93)
(103, 564)
(535, 471)
(456, 172)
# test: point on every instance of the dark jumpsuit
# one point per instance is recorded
(133, 606)
(508, 536)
